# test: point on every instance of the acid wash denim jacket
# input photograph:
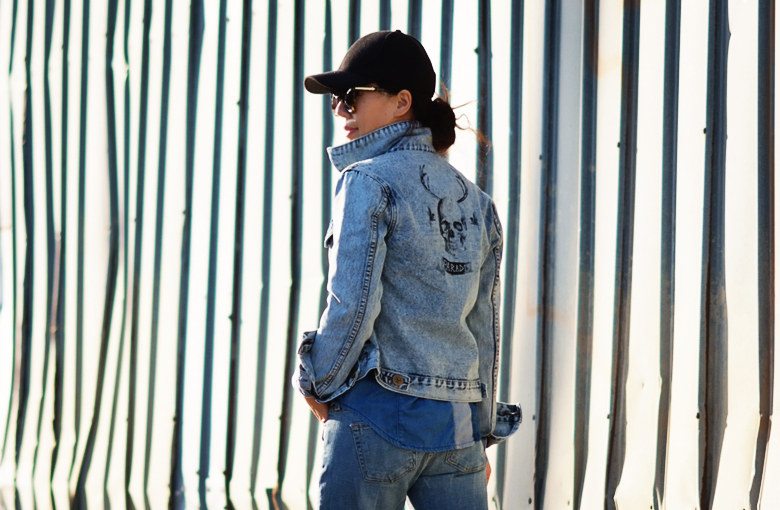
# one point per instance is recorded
(414, 251)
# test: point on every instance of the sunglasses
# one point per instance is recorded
(349, 98)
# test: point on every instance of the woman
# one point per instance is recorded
(402, 369)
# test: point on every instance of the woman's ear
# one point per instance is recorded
(403, 105)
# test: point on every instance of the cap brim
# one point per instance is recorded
(332, 82)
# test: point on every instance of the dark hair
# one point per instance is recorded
(437, 115)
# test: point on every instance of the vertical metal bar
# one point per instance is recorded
(59, 334)
(14, 261)
(117, 381)
(114, 409)
(204, 465)
(445, 66)
(29, 252)
(15, 297)
(176, 499)
(625, 247)
(50, 239)
(295, 249)
(512, 231)
(14, 10)
(584, 363)
(57, 265)
(80, 221)
(713, 369)
(354, 20)
(238, 250)
(137, 258)
(668, 239)
(267, 229)
(113, 254)
(125, 251)
(14, 230)
(485, 103)
(414, 21)
(158, 231)
(325, 187)
(546, 269)
(766, 236)
(384, 14)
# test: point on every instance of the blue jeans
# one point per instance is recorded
(361, 470)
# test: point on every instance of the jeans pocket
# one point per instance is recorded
(468, 460)
(379, 460)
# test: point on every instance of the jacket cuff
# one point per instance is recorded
(303, 376)
(508, 419)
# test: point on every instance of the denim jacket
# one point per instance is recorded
(414, 251)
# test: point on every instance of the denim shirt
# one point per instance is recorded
(414, 251)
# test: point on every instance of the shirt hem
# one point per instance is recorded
(399, 444)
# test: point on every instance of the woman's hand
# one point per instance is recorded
(319, 409)
(487, 471)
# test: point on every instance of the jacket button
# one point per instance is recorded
(398, 380)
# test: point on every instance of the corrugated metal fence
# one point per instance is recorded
(164, 193)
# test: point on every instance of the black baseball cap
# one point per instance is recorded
(392, 60)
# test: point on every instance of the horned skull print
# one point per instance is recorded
(450, 190)
(452, 226)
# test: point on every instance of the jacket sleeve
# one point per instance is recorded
(356, 244)
(498, 420)
(483, 321)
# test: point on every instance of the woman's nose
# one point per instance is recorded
(341, 110)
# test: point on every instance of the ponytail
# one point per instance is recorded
(438, 116)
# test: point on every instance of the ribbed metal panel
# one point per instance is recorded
(164, 194)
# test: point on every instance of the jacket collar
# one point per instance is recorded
(406, 135)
